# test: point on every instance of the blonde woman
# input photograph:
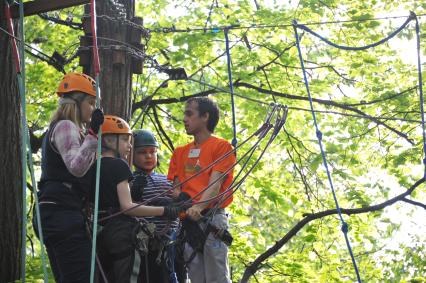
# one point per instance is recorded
(68, 151)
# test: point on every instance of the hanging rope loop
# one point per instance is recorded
(345, 227)
(231, 86)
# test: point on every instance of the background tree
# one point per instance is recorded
(10, 174)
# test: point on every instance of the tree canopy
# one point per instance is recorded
(367, 105)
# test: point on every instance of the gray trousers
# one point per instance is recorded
(211, 266)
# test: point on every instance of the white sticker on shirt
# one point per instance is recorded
(194, 153)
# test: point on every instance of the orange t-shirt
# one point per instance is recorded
(187, 160)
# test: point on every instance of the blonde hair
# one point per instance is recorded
(69, 109)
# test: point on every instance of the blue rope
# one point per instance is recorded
(345, 227)
(411, 17)
(422, 111)
(231, 87)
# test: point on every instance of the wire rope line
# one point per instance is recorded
(231, 86)
(387, 38)
(411, 17)
(216, 29)
(419, 69)
(318, 132)
(234, 186)
(324, 158)
(257, 132)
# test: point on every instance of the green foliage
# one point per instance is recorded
(370, 161)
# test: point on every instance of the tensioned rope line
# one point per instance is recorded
(177, 185)
(303, 109)
(319, 137)
(96, 69)
(234, 186)
(419, 69)
(216, 29)
(231, 86)
(26, 154)
(412, 16)
(236, 94)
(318, 132)
(257, 132)
(44, 56)
(250, 152)
(281, 119)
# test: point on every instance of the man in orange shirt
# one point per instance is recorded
(210, 264)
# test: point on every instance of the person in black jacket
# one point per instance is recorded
(68, 151)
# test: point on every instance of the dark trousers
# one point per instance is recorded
(67, 243)
(119, 258)
(151, 271)
(154, 272)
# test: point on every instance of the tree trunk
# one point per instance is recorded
(116, 62)
(10, 172)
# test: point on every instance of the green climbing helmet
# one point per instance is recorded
(144, 138)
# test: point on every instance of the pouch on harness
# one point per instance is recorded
(196, 237)
(122, 241)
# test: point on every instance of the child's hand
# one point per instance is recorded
(96, 121)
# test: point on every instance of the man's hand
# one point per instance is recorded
(195, 212)
(173, 211)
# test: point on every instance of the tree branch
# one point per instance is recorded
(160, 127)
(413, 202)
(151, 102)
(324, 102)
(308, 217)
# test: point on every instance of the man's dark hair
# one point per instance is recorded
(206, 105)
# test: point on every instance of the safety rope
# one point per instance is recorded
(96, 69)
(319, 137)
(412, 16)
(250, 152)
(419, 69)
(234, 186)
(26, 155)
(231, 87)
(257, 132)
(318, 132)
(262, 133)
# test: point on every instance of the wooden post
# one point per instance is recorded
(118, 63)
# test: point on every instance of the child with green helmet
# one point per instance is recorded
(148, 185)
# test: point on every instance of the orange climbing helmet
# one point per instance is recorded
(115, 125)
(77, 82)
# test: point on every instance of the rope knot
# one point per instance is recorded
(345, 227)
(319, 135)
